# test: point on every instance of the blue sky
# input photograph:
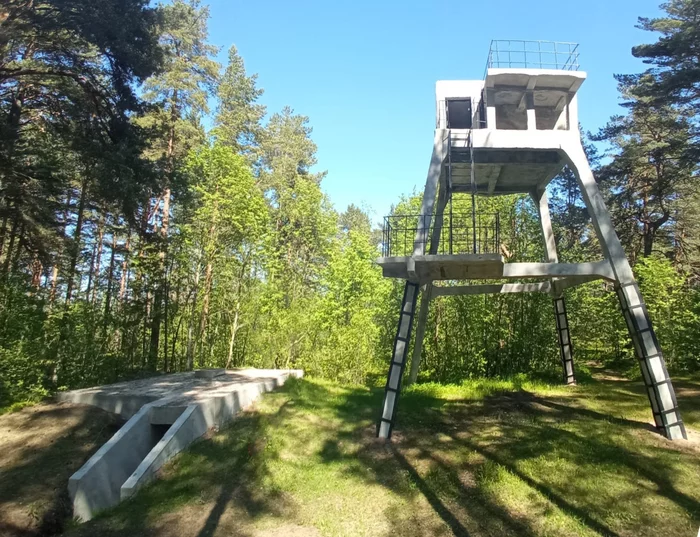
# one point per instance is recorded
(364, 71)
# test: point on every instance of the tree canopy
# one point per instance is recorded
(156, 217)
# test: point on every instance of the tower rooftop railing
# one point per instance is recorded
(516, 53)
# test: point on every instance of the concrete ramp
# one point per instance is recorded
(165, 415)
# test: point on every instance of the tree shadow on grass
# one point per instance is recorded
(530, 428)
(439, 464)
(251, 469)
(54, 441)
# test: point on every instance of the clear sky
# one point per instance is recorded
(364, 71)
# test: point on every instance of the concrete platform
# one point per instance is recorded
(445, 267)
(430, 268)
(164, 415)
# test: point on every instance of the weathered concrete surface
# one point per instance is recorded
(208, 373)
(167, 413)
(430, 268)
(189, 426)
(96, 485)
(196, 419)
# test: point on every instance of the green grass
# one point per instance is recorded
(16, 406)
(482, 458)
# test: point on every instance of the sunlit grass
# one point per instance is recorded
(485, 457)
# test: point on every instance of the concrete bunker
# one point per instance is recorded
(164, 414)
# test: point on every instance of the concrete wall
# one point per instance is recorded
(97, 484)
(125, 407)
(192, 424)
(517, 98)
(445, 89)
(131, 458)
(186, 429)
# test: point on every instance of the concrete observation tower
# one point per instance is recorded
(510, 133)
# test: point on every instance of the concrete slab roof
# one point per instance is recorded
(175, 389)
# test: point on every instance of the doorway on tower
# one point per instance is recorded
(459, 113)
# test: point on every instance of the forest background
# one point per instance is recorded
(155, 217)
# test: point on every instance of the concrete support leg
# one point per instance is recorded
(550, 249)
(398, 360)
(420, 332)
(658, 384)
(567, 358)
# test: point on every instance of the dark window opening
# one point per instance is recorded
(482, 112)
(459, 113)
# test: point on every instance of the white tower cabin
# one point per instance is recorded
(512, 132)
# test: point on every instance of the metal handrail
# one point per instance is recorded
(459, 234)
(510, 53)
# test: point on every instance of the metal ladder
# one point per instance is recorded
(659, 388)
(398, 360)
(564, 335)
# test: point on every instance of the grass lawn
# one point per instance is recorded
(482, 458)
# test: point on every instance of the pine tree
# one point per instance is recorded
(238, 116)
(180, 92)
(675, 56)
(650, 164)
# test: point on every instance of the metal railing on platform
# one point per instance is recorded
(457, 235)
(510, 53)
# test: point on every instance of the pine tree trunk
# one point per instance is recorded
(125, 270)
(98, 258)
(55, 269)
(204, 318)
(3, 231)
(77, 235)
(190, 326)
(108, 292)
(176, 365)
(232, 340)
(11, 244)
(37, 269)
(159, 294)
(166, 305)
(88, 289)
(53, 285)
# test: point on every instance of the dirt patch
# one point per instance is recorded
(40, 448)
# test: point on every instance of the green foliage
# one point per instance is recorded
(674, 57)
(238, 117)
(154, 218)
(650, 165)
(347, 346)
(673, 307)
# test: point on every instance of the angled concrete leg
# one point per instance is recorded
(656, 379)
(398, 360)
(560, 315)
(435, 179)
(567, 358)
(420, 332)
(662, 396)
